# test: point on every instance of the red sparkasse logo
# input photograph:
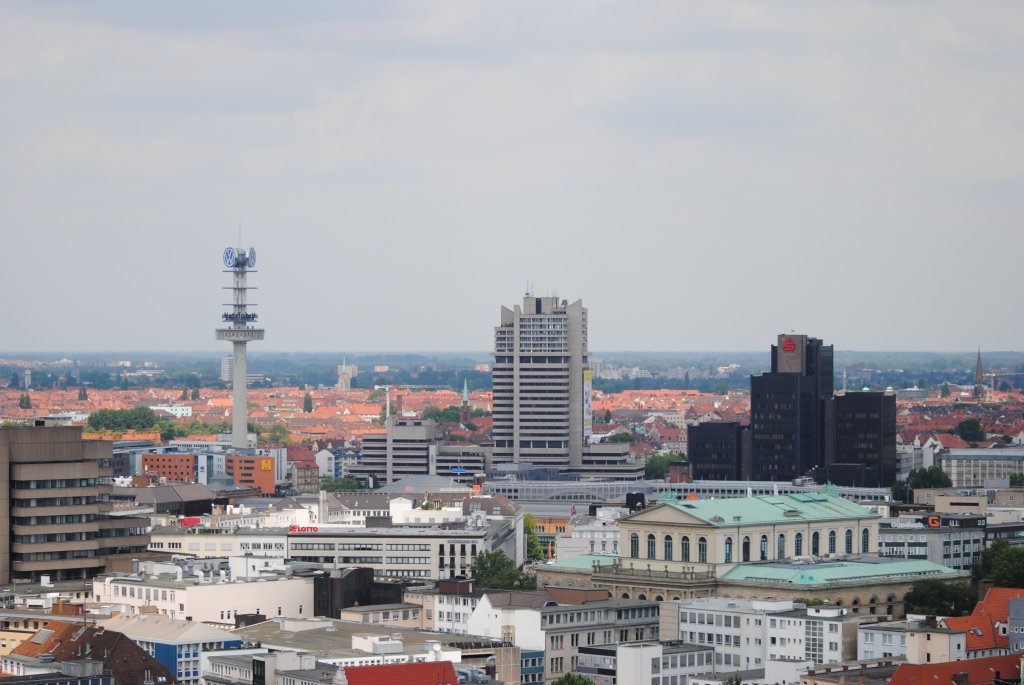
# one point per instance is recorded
(303, 529)
(789, 345)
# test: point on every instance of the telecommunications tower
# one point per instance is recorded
(239, 263)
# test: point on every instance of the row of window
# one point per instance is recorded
(668, 546)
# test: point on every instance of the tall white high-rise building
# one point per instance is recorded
(542, 384)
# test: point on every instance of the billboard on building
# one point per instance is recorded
(588, 404)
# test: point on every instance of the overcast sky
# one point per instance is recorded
(704, 176)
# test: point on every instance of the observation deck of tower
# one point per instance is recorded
(239, 263)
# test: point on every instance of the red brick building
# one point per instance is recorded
(173, 467)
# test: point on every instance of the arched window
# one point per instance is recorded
(728, 550)
(702, 550)
(798, 545)
(641, 596)
(815, 546)
(890, 604)
(746, 549)
(764, 548)
(873, 605)
(780, 549)
(831, 542)
(625, 595)
(849, 541)
(634, 546)
(865, 541)
(855, 605)
(659, 598)
(686, 548)
(651, 545)
(668, 548)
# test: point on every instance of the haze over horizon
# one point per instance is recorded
(702, 176)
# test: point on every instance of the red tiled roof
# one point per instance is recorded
(981, 633)
(979, 671)
(422, 673)
(982, 624)
(950, 441)
(128, 662)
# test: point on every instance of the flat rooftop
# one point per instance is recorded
(332, 638)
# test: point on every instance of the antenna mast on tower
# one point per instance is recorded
(239, 263)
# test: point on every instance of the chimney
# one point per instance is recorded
(960, 678)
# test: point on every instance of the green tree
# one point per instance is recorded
(573, 679)
(140, 418)
(534, 550)
(345, 484)
(449, 414)
(195, 393)
(307, 403)
(24, 402)
(83, 394)
(1017, 480)
(657, 465)
(920, 479)
(15, 382)
(277, 434)
(607, 415)
(945, 392)
(932, 596)
(1002, 563)
(622, 437)
(496, 571)
(184, 394)
(970, 430)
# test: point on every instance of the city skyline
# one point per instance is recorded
(703, 177)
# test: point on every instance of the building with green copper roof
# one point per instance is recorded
(771, 508)
(844, 570)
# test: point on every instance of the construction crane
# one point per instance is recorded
(994, 374)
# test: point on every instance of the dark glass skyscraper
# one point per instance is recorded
(716, 450)
(865, 439)
(787, 409)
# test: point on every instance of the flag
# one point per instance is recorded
(572, 512)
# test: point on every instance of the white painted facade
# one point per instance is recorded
(593, 535)
(452, 612)
(518, 625)
(176, 410)
(212, 602)
(230, 543)
(882, 640)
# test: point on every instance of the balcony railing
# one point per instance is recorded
(618, 569)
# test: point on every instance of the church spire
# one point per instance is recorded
(464, 412)
(979, 377)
